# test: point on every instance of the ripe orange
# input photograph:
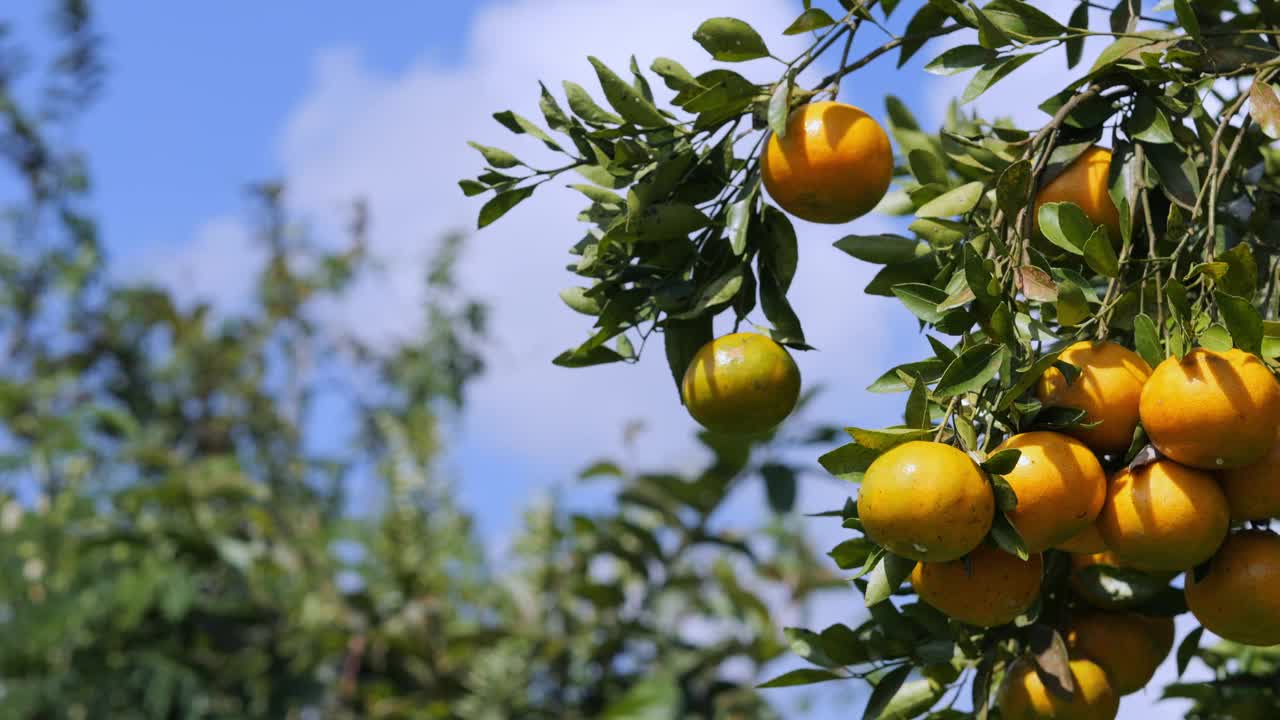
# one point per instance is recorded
(1084, 183)
(995, 588)
(926, 501)
(1128, 646)
(833, 165)
(1108, 388)
(1240, 597)
(1212, 410)
(1164, 517)
(1253, 491)
(1060, 488)
(1024, 696)
(1087, 541)
(741, 384)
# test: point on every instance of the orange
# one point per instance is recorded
(1084, 183)
(833, 165)
(1212, 410)
(741, 384)
(1060, 488)
(1240, 597)
(1024, 696)
(1128, 646)
(995, 588)
(1164, 517)
(926, 501)
(1087, 541)
(1108, 388)
(1253, 491)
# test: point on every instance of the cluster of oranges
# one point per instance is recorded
(1213, 417)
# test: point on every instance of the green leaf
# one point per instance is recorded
(916, 414)
(600, 468)
(1006, 498)
(1065, 225)
(1146, 340)
(583, 106)
(730, 40)
(598, 194)
(1177, 294)
(1216, 338)
(521, 125)
(1187, 17)
(1243, 320)
(556, 119)
(674, 74)
(990, 35)
(578, 300)
(970, 371)
(880, 249)
(927, 20)
(598, 355)
(716, 293)
(959, 59)
(778, 248)
(1179, 176)
(1028, 378)
(1013, 187)
(881, 440)
(954, 202)
(1130, 47)
(1148, 122)
(499, 204)
(471, 188)
(1022, 20)
(682, 340)
(885, 689)
(624, 98)
(1188, 648)
(1073, 306)
(780, 107)
(887, 577)
(1007, 537)
(811, 19)
(1002, 462)
(496, 157)
(927, 370)
(803, 676)
(780, 486)
(922, 300)
(899, 116)
(992, 73)
(914, 699)
(852, 553)
(848, 462)
(1100, 254)
(1075, 45)
(737, 220)
(1242, 271)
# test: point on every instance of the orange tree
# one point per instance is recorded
(1099, 295)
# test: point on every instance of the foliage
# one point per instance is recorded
(680, 232)
(179, 539)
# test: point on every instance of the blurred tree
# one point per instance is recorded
(176, 542)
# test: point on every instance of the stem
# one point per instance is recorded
(951, 408)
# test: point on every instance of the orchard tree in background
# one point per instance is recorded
(177, 536)
(1098, 414)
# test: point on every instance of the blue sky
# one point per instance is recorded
(343, 101)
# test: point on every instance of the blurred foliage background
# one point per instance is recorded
(174, 537)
